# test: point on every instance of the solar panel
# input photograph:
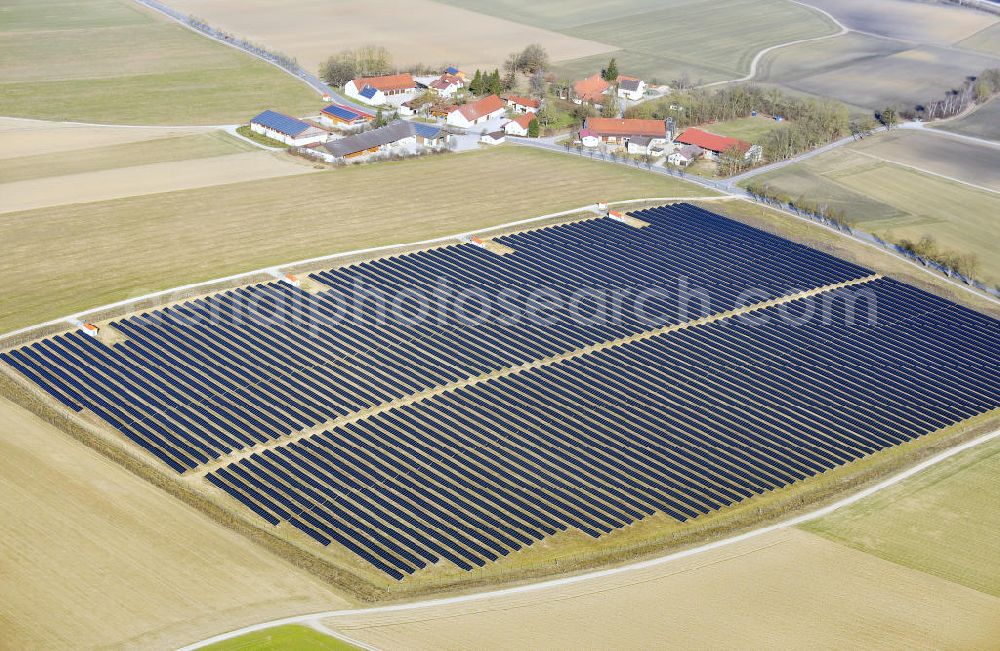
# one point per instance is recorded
(280, 122)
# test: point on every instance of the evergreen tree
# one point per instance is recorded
(495, 87)
(611, 72)
(476, 87)
(533, 128)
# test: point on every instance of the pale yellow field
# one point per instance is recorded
(153, 178)
(788, 589)
(429, 33)
(93, 556)
(19, 137)
(920, 22)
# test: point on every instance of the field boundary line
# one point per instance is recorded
(69, 318)
(632, 567)
(923, 171)
(207, 127)
(272, 444)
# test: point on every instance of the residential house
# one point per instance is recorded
(430, 136)
(590, 90)
(375, 90)
(467, 115)
(714, 145)
(631, 88)
(685, 155)
(522, 104)
(340, 115)
(639, 145)
(452, 70)
(620, 132)
(286, 129)
(494, 138)
(446, 85)
(519, 125)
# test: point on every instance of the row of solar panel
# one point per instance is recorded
(682, 423)
(198, 380)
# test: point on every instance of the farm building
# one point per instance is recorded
(631, 88)
(590, 90)
(480, 111)
(522, 104)
(398, 137)
(714, 145)
(340, 115)
(452, 70)
(286, 129)
(413, 107)
(620, 132)
(588, 138)
(446, 85)
(374, 90)
(519, 125)
(494, 138)
(685, 155)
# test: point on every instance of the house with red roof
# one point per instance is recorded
(519, 125)
(375, 90)
(520, 104)
(467, 115)
(636, 136)
(446, 85)
(713, 145)
(590, 90)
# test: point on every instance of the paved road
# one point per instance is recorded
(922, 126)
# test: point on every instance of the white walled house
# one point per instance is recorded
(631, 88)
(284, 128)
(377, 90)
(519, 104)
(519, 125)
(468, 115)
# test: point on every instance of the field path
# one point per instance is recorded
(923, 126)
(530, 591)
(760, 55)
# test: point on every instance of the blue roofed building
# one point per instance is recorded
(340, 115)
(286, 129)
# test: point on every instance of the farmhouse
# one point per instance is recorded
(685, 155)
(522, 104)
(286, 129)
(631, 88)
(714, 145)
(446, 85)
(519, 125)
(590, 90)
(374, 90)
(480, 111)
(621, 132)
(340, 115)
(494, 138)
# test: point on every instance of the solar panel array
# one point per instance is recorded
(682, 423)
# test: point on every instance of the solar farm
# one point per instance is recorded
(444, 443)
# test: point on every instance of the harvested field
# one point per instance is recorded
(787, 589)
(984, 122)
(943, 522)
(919, 22)
(170, 148)
(870, 73)
(93, 556)
(107, 55)
(900, 202)
(141, 244)
(986, 40)
(147, 179)
(433, 33)
(21, 138)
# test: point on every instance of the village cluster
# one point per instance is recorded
(425, 117)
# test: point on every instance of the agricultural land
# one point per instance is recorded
(103, 61)
(983, 122)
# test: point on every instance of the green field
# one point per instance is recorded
(112, 61)
(943, 521)
(160, 150)
(111, 250)
(749, 129)
(709, 41)
(283, 638)
(984, 122)
(897, 202)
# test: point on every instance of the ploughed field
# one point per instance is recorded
(739, 363)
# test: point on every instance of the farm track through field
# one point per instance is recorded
(528, 589)
(435, 391)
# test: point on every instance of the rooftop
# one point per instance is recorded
(346, 113)
(711, 141)
(281, 123)
(482, 107)
(627, 127)
(387, 82)
(591, 88)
